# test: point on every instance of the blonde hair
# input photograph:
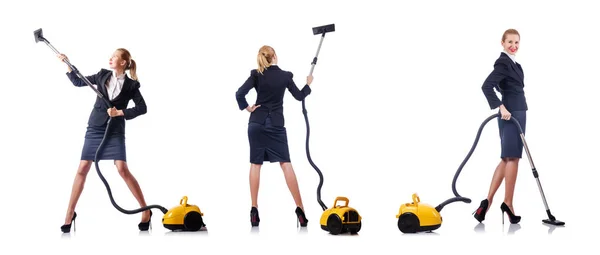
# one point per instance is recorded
(510, 32)
(131, 66)
(265, 57)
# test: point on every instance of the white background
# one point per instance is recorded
(395, 107)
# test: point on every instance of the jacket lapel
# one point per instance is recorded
(103, 82)
(517, 70)
(520, 71)
(126, 85)
(515, 67)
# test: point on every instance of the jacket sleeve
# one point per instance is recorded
(240, 94)
(493, 80)
(140, 104)
(297, 93)
(78, 82)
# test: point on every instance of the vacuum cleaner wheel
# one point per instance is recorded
(193, 221)
(354, 230)
(334, 224)
(408, 223)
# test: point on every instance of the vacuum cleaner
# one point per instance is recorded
(418, 217)
(340, 218)
(184, 217)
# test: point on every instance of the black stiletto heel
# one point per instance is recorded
(144, 226)
(479, 214)
(514, 219)
(254, 219)
(67, 227)
(301, 217)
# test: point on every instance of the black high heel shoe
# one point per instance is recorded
(514, 219)
(67, 227)
(301, 217)
(254, 219)
(144, 226)
(479, 214)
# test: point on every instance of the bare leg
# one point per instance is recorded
(512, 167)
(496, 181)
(254, 183)
(78, 184)
(133, 185)
(292, 182)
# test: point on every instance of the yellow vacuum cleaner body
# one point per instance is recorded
(184, 217)
(341, 218)
(417, 217)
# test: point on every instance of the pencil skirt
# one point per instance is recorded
(267, 143)
(510, 136)
(113, 148)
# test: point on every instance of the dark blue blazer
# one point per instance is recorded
(131, 91)
(270, 88)
(508, 79)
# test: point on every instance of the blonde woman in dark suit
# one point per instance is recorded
(266, 128)
(117, 87)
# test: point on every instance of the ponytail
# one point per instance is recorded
(132, 68)
(264, 58)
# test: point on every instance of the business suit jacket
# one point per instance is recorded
(508, 78)
(130, 91)
(270, 88)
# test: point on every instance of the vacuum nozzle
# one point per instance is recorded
(323, 29)
(39, 35)
(554, 222)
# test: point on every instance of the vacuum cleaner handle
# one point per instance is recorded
(344, 199)
(522, 134)
(183, 201)
(416, 198)
(512, 118)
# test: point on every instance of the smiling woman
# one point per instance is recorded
(506, 78)
(117, 87)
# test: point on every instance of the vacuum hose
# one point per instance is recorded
(458, 197)
(310, 159)
(112, 200)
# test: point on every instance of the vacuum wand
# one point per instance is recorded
(39, 37)
(316, 30)
(551, 219)
(320, 30)
(314, 62)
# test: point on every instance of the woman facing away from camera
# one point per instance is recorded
(507, 78)
(266, 128)
(119, 89)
